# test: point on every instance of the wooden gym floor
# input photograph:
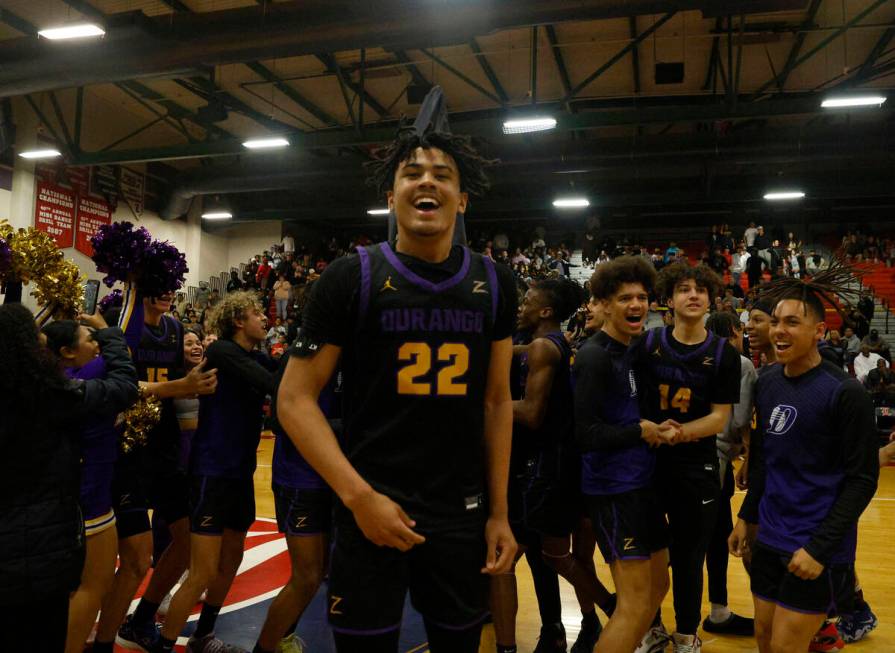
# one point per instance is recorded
(876, 570)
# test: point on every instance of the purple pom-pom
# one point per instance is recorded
(5, 256)
(125, 252)
(119, 250)
(163, 270)
(114, 299)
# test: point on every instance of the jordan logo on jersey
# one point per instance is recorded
(782, 418)
(479, 287)
(388, 285)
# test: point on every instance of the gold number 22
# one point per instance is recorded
(419, 355)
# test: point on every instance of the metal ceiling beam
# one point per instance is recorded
(86, 8)
(177, 5)
(635, 55)
(418, 77)
(806, 104)
(489, 71)
(797, 45)
(619, 55)
(332, 66)
(171, 44)
(558, 59)
(176, 110)
(463, 76)
(820, 46)
(714, 59)
(208, 90)
(268, 75)
(17, 22)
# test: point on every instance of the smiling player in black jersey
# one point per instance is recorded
(423, 331)
(692, 377)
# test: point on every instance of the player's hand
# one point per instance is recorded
(672, 432)
(501, 546)
(201, 382)
(649, 432)
(384, 522)
(742, 476)
(804, 566)
(94, 321)
(741, 539)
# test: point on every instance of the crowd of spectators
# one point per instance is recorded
(283, 276)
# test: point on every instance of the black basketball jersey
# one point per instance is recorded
(159, 358)
(681, 382)
(555, 435)
(414, 385)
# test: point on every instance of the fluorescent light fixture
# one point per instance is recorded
(784, 195)
(571, 203)
(527, 125)
(854, 101)
(217, 215)
(79, 31)
(40, 154)
(377, 211)
(265, 143)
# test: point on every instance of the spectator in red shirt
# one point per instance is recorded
(263, 274)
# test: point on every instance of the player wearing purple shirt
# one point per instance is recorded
(618, 464)
(149, 476)
(222, 462)
(812, 473)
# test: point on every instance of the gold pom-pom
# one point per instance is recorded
(34, 253)
(61, 287)
(139, 420)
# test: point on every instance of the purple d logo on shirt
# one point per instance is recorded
(782, 418)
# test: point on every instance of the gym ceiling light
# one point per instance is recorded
(40, 154)
(854, 101)
(528, 125)
(784, 195)
(571, 203)
(78, 31)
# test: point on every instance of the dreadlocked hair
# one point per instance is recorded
(837, 282)
(563, 295)
(470, 163)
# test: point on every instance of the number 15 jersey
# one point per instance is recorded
(415, 358)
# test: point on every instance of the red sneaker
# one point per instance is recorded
(827, 639)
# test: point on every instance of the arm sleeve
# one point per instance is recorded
(742, 411)
(749, 509)
(233, 360)
(592, 372)
(118, 389)
(505, 323)
(328, 314)
(854, 414)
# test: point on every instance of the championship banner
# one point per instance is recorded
(132, 184)
(54, 213)
(92, 213)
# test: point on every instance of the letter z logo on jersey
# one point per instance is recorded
(782, 418)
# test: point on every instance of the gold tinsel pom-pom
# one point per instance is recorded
(139, 420)
(62, 288)
(34, 253)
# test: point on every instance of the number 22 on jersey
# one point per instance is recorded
(680, 401)
(412, 377)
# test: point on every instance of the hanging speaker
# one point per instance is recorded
(670, 73)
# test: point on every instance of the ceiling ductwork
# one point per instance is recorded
(136, 46)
